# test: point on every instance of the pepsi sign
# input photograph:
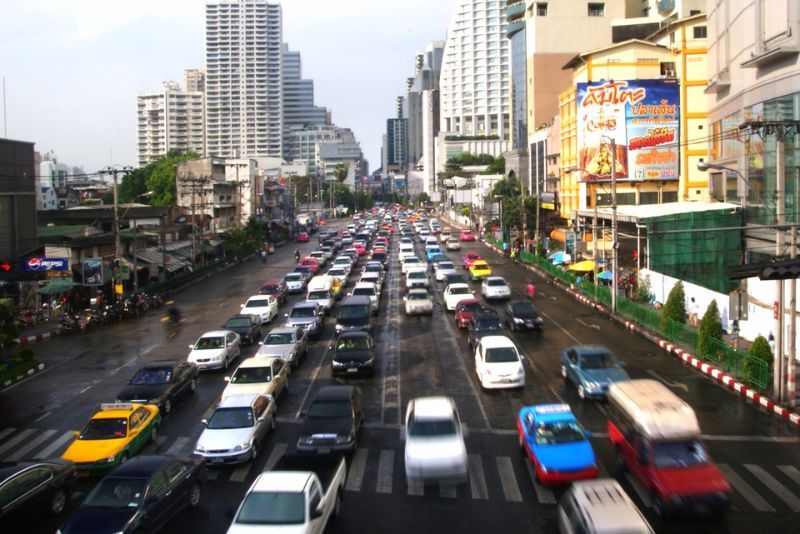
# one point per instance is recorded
(37, 263)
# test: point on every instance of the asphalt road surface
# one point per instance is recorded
(416, 357)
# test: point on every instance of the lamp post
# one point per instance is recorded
(499, 199)
(114, 171)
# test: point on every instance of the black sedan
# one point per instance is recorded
(521, 315)
(483, 324)
(161, 383)
(332, 421)
(141, 495)
(29, 488)
(247, 326)
(353, 354)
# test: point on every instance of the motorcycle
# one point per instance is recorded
(69, 324)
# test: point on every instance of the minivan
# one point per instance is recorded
(322, 289)
(354, 314)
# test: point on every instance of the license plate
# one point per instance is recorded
(217, 460)
(325, 450)
(352, 370)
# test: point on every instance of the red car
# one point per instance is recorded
(464, 310)
(466, 235)
(311, 262)
(302, 237)
(276, 288)
(469, 258)
(360, 249)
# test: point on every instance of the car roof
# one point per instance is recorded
(550, 413)
(606, 505)
(283, 330)
(353, 334)
(355, 300)
(433, 407)
(238, 400)
(419, 290)
(306, 304)
(491, 342)
(257, 362)
(142, 466)
(334, 392)
(586, 349)
(216, 333)
(8, 469)
(257, 297)
(460, 284)
(496, 278)
(159, 364)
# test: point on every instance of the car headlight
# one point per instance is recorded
(199, 448)
(111, 459)
(242, 447)
(518, 320)
(334, 363)
(371, 361)
(305, 440)
(592, 386)
(343, 439)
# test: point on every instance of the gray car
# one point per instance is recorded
(307, 315)
(288, 343)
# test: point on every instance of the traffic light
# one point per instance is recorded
(6, 266)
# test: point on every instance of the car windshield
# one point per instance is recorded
(293, 277)
(417, 296)
(597, 360)
(427, 428)
(558, 433)
(270, 289)
(487, 323)
(368, 291)
(524, 311)
(480, 265)
(459, 290)
(330, 409)
(117, 492)
(205, 343)
(302, 312)
(418, 275)
(677, 454)
(257, 303)
(110, 428)
(445, 265)
(353, 343)
(501, 355)
(319, 295)
(285, 338)
(471, 306)
(238, 322)
(272, 508)
(152, 376)
(455, 278)
(353, 312)
(496, 282)
(336, 272)
(231, 418)
(251, 375)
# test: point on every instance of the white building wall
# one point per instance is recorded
(169, 119)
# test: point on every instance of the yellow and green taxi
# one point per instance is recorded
(113, 434)
(479, 270)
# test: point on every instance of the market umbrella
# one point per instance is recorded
(605, 275)
(56, 287)
(561, 257)
(584, 266)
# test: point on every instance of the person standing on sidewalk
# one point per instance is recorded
(693, 310)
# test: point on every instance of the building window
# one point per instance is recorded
(700, 32)
(541, 9)
(693, 12)
(648, 198)
(597, 9)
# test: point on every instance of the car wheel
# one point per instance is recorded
(167, 406)
(337, 505)
(192, 385)
(194, 495)
(253, 452)
(124, 458)
(581, 393)
(563, 371)
(272, 423)
(58, 501)
(154, 434)
(225, 363)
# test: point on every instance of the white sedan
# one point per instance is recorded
(215, 350)
(454, 293)
(495, 288)
(443, 268)
(236, 428)
(418, 302)
(435, 449)
(412, 262)
(498, 363)
(265, 306)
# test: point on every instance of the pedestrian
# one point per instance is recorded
(692, 312)
(735, 332)
(263, 254)
(771, 342)
(505, 248)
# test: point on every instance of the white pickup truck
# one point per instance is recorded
(297, 496)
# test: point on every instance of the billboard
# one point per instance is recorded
(641, 116)
(92, 272)
(38, 263)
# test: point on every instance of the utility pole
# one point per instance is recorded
(594, 240)
(790, 371)
(114, 172)
(614, 236)
(163, 276)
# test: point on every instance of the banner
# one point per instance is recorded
(92, 272)
(641, 117)
(38, 263)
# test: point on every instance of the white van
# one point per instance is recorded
(320, 290)
(406, 249)
(599, 506)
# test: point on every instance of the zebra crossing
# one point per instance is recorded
(759, 488)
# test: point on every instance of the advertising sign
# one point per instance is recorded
(92, 272)
(642, 117)
(38, 263)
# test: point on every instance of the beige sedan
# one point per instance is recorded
(263, 376)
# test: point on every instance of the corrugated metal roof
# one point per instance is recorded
(153, 255)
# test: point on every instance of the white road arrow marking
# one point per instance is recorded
(669, 383)
(596, 327)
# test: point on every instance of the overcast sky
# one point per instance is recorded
(72, 68)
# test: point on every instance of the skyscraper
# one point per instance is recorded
(299, 110)
(244, 89)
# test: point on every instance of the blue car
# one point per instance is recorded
(430, 252)
(592, 368)
(556, 443)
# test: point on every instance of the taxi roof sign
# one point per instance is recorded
(551, 408)
(116, 406)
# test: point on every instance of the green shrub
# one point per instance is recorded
(759, 350)
(675, 307)
(26, 354)
(710, 328)
(643, 289)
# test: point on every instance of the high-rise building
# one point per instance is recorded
(244, 87)
(299, 110)
(396, 148)
(304, 143)
(169, 119)
(194, 80)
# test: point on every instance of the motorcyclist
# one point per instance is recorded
(173, 312)
(296, 255)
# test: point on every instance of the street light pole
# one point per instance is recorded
(614, 235)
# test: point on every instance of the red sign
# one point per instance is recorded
(774, 310)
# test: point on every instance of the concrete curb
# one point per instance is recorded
(30, 372)
(29, 340)
(727, 380)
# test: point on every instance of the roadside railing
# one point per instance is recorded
(747, 368)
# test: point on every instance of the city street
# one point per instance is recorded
(417, 356)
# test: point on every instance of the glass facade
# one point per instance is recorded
(519, 97)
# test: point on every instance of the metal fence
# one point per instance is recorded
(744, 366)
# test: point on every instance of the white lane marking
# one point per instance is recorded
(776, 487)
(543, 495)
(13, 442)
(45, 414)
(575, 339)
(587, 325)
(744, 489)
(385, 465)
(20, 453)
(355, 476)
(669, 383)
(791, 472)
(477, 478)
(178, 445)
(415, 487)
(84, 390)
(310, 387)
(240, 473)
(277, 451)
(508, 479)
(447, 491)
(55, 445)
(6, 431)
(769, 439)
(645, 498)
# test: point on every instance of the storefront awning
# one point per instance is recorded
(154, 256)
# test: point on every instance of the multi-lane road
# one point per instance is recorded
(758, 454)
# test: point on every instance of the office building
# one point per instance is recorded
(299, 110)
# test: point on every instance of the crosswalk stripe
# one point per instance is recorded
(791, 472)
(6, 432)
(55, 445)
(645, 498)
(508, 479)
(543, 495)
(355, 476)
(744, 489)
(13, 442)
(776, 487)
(385, 465)
(240, 473)
(415, 487)
(277, 451)
(31, 445)
(447, 491)
(178, 445)
(477, 478)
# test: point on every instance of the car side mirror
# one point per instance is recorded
(191, 346)
(77, 434)
(588, 434)
(286, 315)
(227, 379)
(204, 422)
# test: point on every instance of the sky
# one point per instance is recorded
(72, 68)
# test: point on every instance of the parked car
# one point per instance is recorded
(30, 488)
(309, 316)
(455, 293)
(483, 324)
(434, 442)
(332, 421)
(265, 306)
(498, 363)
(289, 343)
(248, 326)
(143, 495)
(495, 288)
(215, 350)
(263, 376)
(236, 428)
(592, 368)
(353, 354)
(276, 288)
(161, 383)
(418, 302)
(521, 315)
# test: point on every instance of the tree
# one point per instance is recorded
(9, 331)
(710, 328)
(507, 188)
(157, 176)
(497, 166)
(675, 307)
(423, 198)
(759, 350)
(340, 172)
